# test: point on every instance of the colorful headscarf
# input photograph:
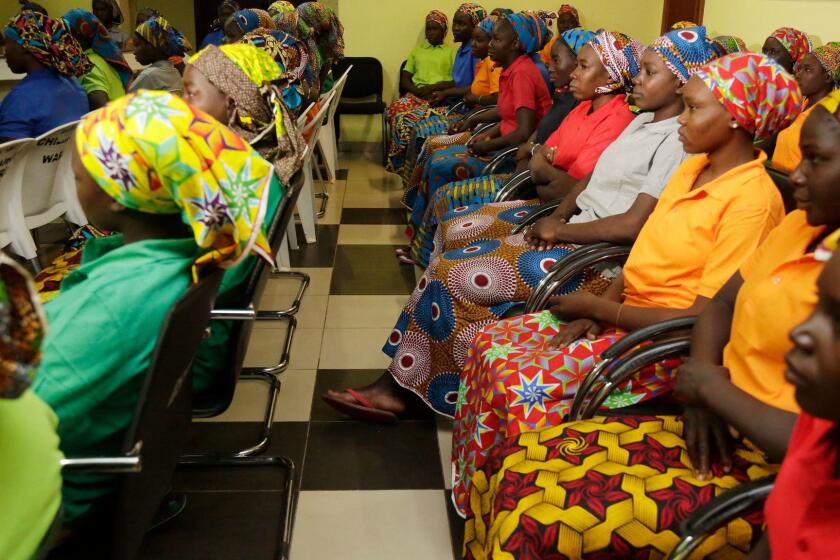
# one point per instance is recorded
(488, 23)
(685, 51)
(264, 18)
(829, 57)
(728, 44)
(148, 13)
(532, 31)
(476, 12)
(88, 30)
(246, 20)
(325, 28)
(499, 12)
(620, 55)
(49, 41)
(569, 9)
(22, 328)
(280, 7)
(759, 94)
(576, 38)
(685, 24)
(161, 34)
(438, 17)
(154, 153)
(33, 7)
(249, 76)
(290, 54)
(795, 42)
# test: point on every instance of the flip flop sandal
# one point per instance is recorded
(406, 260)
(364, 410)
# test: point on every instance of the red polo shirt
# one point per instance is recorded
(522, 86)
(803, 511)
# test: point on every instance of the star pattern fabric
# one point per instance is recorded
(513, 383)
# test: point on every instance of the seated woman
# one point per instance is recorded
(30, 496)
(523, 102)
(423, 247)
(45, 50)
(110, 74)
(156, 42)
(520, 374)
(801, 512)
(319, 27)
(605, 69)
(787, 46)
(568, 19)
(216, 36)
(105, 322)
(244, 21)
(818, 74)
(735, 378)
(108, 12)
(277, 9)
(473, 289)
(294, 63)
(427, 69)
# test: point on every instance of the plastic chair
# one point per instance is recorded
(306, 202)
(12, 161)
(157, 435)
(326, 135)
(365, 81)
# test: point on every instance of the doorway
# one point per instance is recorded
(681, 10)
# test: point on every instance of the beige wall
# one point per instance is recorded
(754, 20)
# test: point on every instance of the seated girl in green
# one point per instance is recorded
(30, 491)
(185, 194)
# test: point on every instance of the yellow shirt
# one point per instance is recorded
(779, 292)
(695, 240)
(486, 80)
(787, 155)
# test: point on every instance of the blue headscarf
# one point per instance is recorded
(91, 33)
(532, 31)
(576, 38)
(246, 20)
(685, 51)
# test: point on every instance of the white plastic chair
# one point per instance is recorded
(326, 136)
(12, 162)
(306, 202)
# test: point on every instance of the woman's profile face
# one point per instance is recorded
(588, 75)
(704, 123)
(202, 94)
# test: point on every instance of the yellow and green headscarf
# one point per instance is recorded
(152, 152)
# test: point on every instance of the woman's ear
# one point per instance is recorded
(230, 106)
(680, 89)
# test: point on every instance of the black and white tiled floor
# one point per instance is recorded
(367, 492)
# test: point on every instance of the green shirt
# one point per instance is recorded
(30, 475)
(103, 327)
(212, 354)
(102, 77)
(430, 64)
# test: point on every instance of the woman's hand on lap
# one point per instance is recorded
(707, 440)
(576, 330)
(543, 234)
(694, 377)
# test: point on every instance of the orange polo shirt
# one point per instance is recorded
(695, 240)
(787, 155)
(779, 292)
(486, 80)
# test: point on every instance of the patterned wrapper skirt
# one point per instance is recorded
(48, 281)
(429, 148)
(514, 382)
(430, 127)
(461, 292)
(403, 115)
(610, 487)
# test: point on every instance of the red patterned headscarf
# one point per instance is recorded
(439, 18)
(795, 42)
(760, 94)
(475, 12)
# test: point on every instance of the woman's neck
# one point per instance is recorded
(602, 99)
(511, 59)
(669, 111)
(738, 151)
(817, 97)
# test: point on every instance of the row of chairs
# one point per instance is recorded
(36, 187)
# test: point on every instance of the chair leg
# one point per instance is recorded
(304, 283)
(306, 205)
(284, 262)
(290, 493)
(326, 142)
(291, 235)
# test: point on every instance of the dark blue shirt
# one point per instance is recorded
(543, 71)
(463, 70)
(40, 102)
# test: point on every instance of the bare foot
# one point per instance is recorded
(385, 394)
